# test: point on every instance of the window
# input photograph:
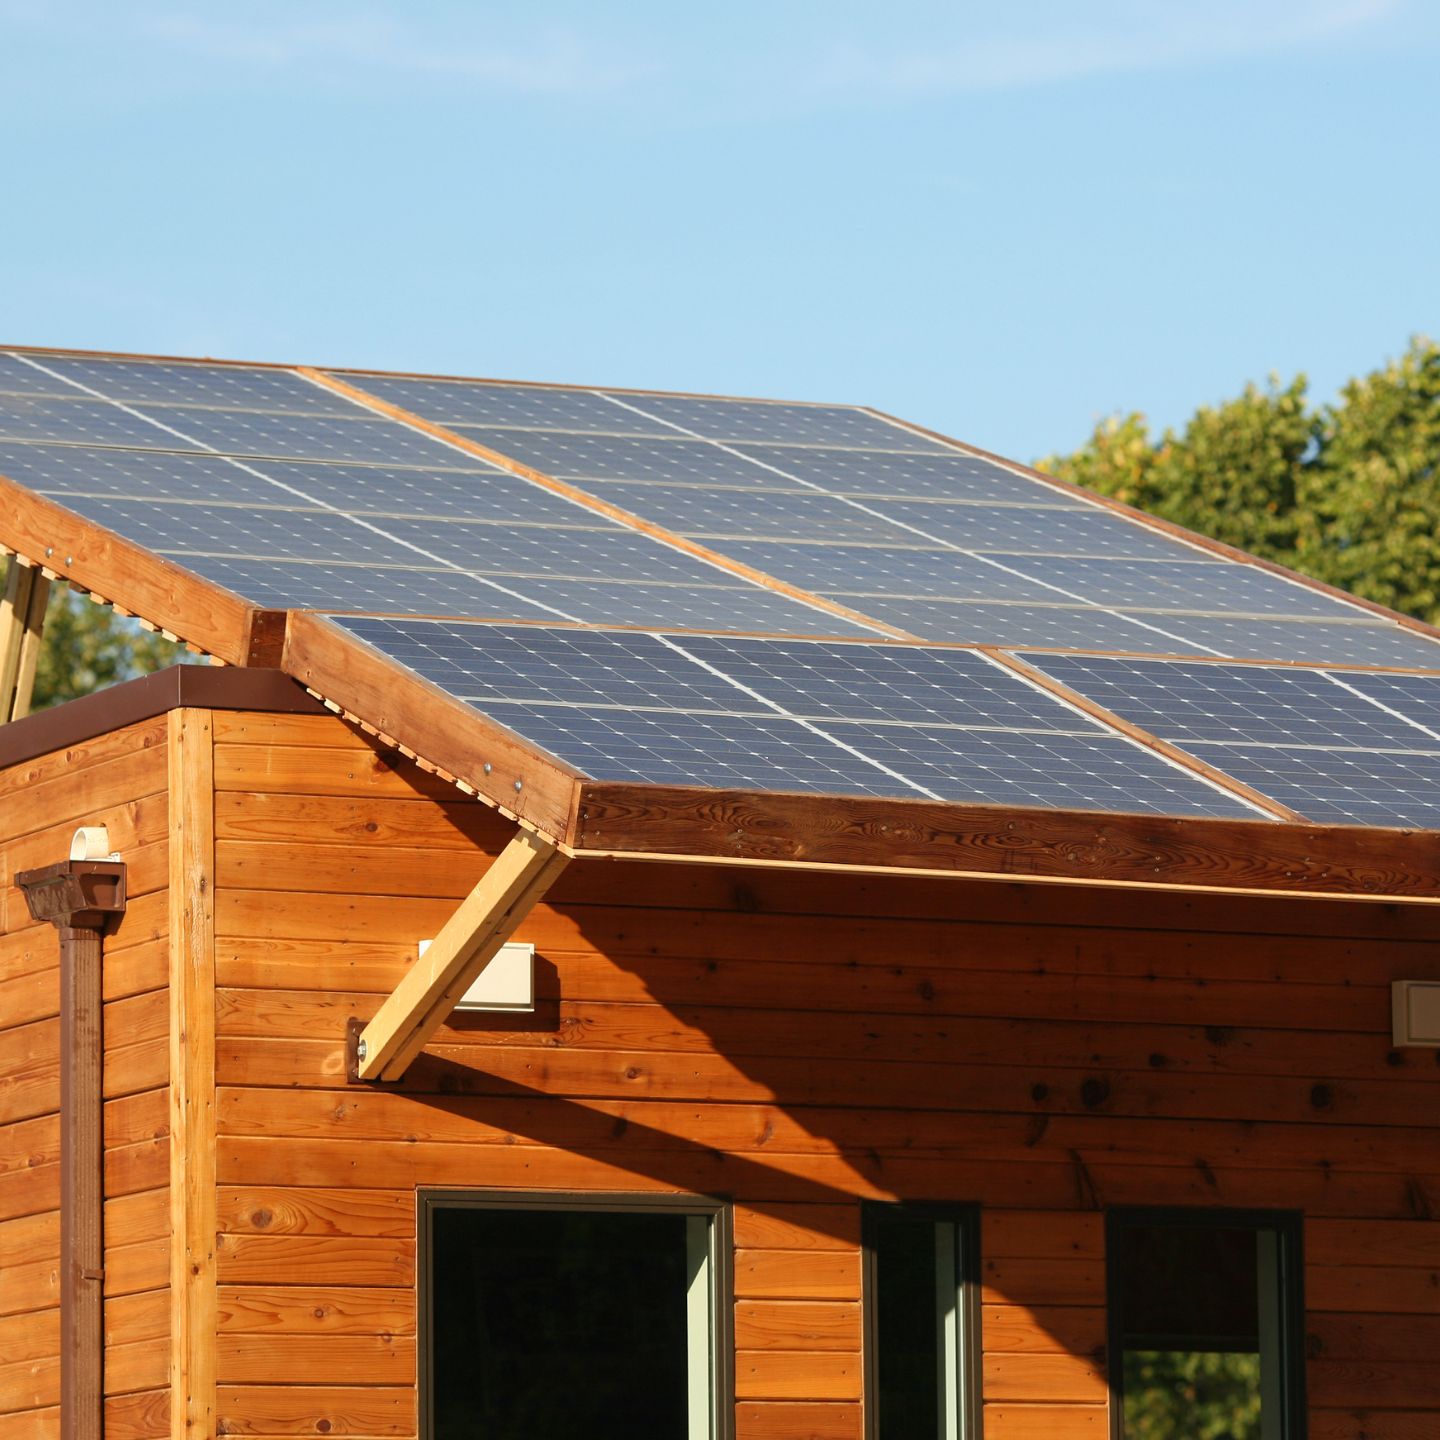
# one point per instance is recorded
(1205, 1325)
(548, 1317)
(923, 1322)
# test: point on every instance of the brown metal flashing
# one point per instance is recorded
(202, 687)
(489, 760)
(1168, 527)
(123, 573)
(80, 897)
(619, 821)
(1144, 737)
(602, 507)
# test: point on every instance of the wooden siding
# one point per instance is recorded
(117, 780)
(799, 1042)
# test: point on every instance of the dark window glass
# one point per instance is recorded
(551, 1324)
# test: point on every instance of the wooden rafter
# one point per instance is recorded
(22, 625)
(470, 939)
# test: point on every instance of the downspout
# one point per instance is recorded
(80, 897)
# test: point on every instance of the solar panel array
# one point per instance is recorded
(802, 578)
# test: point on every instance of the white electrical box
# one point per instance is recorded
(506, 983)
(1415, 1012)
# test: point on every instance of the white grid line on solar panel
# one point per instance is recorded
(755, 753)
(454, 403)
(1414, 699)
(1158, 585)
(1343, 786)
(280, 485)
(189, 382)
(1320, 642)
(329, 585)
(774, 421)
(1218, 703)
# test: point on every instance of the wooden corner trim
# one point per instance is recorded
(119, 572)
(427, 724)
(1259, 856)
(598, 506)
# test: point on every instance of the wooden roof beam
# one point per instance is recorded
(470, 939)
(22, 626)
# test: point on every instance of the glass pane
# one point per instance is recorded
(1199, 1320)
(547, 1325)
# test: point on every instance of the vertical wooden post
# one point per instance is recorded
(193, 1211)
(80, 898)
(22, 625)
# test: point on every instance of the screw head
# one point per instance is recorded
(488, 767)
(361, 1049)
(519, 785)
(49, 551)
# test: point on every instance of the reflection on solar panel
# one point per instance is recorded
(1318, 741)
(869, 719)
(288, 493)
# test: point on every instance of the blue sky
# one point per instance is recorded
(1003, 221)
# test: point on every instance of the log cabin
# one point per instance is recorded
(687, 917)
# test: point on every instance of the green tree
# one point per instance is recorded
(88, 646)
(1348, 492)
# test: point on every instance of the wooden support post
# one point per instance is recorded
(193, 1202)
(470, 939)
(80, 897)
(22, 625)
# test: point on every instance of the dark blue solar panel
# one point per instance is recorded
(471, 402)
(876, 475)
(749, 752)
(777, 422)
(885, 683)
(1233, 703)
(894, 568)
(715, 512)
(81, 421)
(1341, 787)
(18, 378)
(365, 586)
(1071, 772)
(1063, 627)
(1380, 643)
(1064, 531)
(65, 470)
(1416, 697)
(1183, 585)
(188, 383)
(600, 457)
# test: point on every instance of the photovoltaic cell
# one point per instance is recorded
(777, 422)
(1008, 626)
(1342, 787)
(749, 511)
(872, 474)
(1378, 643)
(1417, 697)
(470, 402)
(602, 457)
(1233, 703)
(85, 422)
(18, 378)
(137, 382)
(1183, 585)
(64, 470)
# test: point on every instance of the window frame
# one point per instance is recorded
(721, 1252)
(1289, 1230)
(965, 1216)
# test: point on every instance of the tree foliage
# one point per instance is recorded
(1191, 1395)
(88, 646)
(1347, 492)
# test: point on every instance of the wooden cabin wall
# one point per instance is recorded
(118, 780)
(798, 1042)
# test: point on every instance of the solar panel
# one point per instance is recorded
(470, 402)
(600, 457)
(885, 719)
(1233, 703)
(85, 422)
(1183, 585)
(1377, 642)
(716, 511)
(62, 470)
(1416, 697)
(18, 378)
(138, 382)
(776, 421)
(877, 475)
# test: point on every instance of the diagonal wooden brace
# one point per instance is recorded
(470, 939)
(22, 624)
